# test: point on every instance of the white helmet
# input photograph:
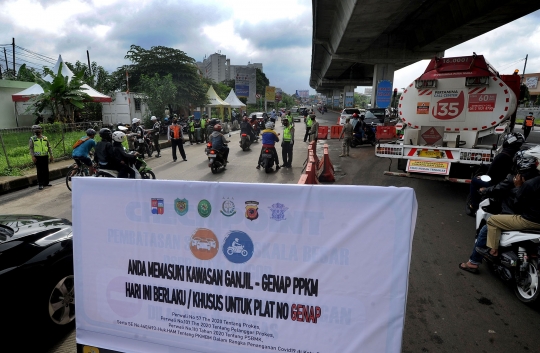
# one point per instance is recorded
(135, 121)
(118, 136)
(269, 125)
(153, 118)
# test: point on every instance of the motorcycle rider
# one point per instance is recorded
(499, 168)
(246, 128)
(104, 155)
(125, 159)
(81, 153)
(156, 128)
(354, 120)
(359, 129)
(219, 142)
(519, 210)
(269, 139)
(137, 128)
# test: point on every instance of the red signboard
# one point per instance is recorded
(450, 107)
(431, 136)
(482, 102)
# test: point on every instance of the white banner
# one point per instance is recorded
(174, 266)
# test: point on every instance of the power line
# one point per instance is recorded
(512, 63)
(29, 51)
(24, 54)
(30, 62)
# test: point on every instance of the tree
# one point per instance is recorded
(61, 95)
(361, 100)
(164, 61)
(159, 91)
(262, 82)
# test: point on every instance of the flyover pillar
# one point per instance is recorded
(348, 97)
(381, 72)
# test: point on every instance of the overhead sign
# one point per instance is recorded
(349, 99)
(270, 93)
(384, 94)
(302, 93)
(279, 94)
(241, 85)
(246, 76)
(228, 267)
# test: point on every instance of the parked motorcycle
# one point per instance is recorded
(517, 263)
(216, 162)
(141, 168)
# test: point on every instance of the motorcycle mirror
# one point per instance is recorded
(485, 178)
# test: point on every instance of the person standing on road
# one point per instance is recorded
(287, 144)
(346, 133)
(191, 130)
(290, 118)
(314, 132)
(41, 153)
(156, 128)
(177, 139)
(204, 137)
(309, 122)
(528, 124)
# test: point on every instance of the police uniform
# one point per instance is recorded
(203, 130)
(191, 131)
(287, 145)
(309, 122)
(41, 150)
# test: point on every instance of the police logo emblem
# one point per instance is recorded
(278, 211)
(252, 210)
(158, 206)
(181, 206)
(227, 208)
(204, 208)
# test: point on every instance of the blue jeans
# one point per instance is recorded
(476, 184)
(481, 241)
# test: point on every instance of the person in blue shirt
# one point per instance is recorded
(269, 139)
(81, 153)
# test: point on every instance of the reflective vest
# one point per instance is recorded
(41, 146)
(203, 123)
(176, 131)
(290, 118)
(287, 136)
(529, 121)
(309, 122)
(191, 126)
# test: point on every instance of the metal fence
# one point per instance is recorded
(14, 151)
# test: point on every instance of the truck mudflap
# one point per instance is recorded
(428, 177)
(435, 154)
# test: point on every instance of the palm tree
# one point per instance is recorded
(61, 95)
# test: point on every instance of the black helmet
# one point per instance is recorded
(513, 139)
(214, 121)
(525, 163)
(105, 134)
(90, 132)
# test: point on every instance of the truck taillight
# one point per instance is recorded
(477, 81)
(425, 84)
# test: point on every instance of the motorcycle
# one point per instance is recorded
(237, 250)
(216, 162)
(267, 160)
(517, 263)
(149, 143)
(141, 168)
(245, 141)
(369, 137)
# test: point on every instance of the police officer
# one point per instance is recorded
(287, 144)
(309, 122)
(203, 130)
(156, 128)
(528, 124)
(41, 153)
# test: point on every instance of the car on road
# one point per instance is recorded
(380, 113)
(347, 113)
(36, 271)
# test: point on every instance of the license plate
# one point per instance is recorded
(266, 155)
(211, 156)
(431, 154)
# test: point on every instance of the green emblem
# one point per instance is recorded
(204, 208)
(181, 206)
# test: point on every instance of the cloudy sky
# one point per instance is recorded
(276, 33)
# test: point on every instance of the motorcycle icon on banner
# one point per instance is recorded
(237, 248)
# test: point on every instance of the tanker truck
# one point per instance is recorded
(453, 117)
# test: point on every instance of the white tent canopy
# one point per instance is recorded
(215, 101)
(233, 100)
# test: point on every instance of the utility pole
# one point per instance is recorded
(13, 46)
(89, 67)
(524, 67)
(5, 56)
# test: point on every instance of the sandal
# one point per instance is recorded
(486, 253)
(465, 267)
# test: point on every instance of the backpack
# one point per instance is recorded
(80, 142)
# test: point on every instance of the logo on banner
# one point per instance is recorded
(278, 212)
(227, 208)
(252, 210)
(204, 208)
(237, 247)
(181, 206)
(158, 206)
(204, 244)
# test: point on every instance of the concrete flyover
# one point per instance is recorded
(359, 42)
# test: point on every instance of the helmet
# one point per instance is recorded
(217, 127)
(254, 116)
(90, 132)
(135, 121)
(513, 139)
(525, 162)
(153, 118)
(530, 154)
(214, 121)
(355, 115)
(36, 127)
(105, 134)
(118, 136)
(269, 125)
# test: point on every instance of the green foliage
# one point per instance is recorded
(361, 100)
(27, 74)
(159, 91)
(262, 82)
